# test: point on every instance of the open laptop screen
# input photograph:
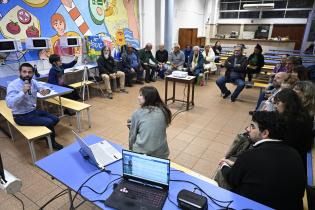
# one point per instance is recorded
(146, 168)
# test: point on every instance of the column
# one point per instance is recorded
(168, 24)
(311, 17)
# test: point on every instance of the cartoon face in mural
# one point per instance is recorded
(58, 22)
(20, 19)
(120, 37)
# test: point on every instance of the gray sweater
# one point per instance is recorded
(148, 132)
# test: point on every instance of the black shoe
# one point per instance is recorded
(128, 85)
(152, 80)
(57, 146)
(147, 81)
(227, 94)
(139, 82)
(233, 99)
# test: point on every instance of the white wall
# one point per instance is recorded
(189, 14)
(147, 21)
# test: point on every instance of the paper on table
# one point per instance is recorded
(52, 92)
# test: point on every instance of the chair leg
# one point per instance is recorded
(10, 131)
(49, 143)
(88, 92)
(89, 117)
(78, 114)
(32, 150)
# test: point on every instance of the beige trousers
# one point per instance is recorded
(106, 78)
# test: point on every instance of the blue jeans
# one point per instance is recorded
(238, 82)
(38, 118)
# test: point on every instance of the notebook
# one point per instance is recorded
(144, 185)
(101, 153)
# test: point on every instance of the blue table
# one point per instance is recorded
(70, 168)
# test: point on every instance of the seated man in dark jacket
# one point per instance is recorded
(131, 66)
(161, 57)
(148, 62)
(56, 75)
(270, 173)
(107, 70)
(235, 69)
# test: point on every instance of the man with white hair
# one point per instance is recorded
(148, 62)
(176, 59)
(195, 62)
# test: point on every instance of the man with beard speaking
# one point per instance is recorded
(21, 99)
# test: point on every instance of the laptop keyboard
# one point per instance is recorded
(153, 196)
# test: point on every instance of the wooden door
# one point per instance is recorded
(185, 37)
(295, 32)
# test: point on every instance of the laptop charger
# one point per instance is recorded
(188, 200)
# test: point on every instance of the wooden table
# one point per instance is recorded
(189, 80)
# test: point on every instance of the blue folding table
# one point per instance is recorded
(70, 168)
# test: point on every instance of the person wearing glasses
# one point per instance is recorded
(235, 70)
(107, 71)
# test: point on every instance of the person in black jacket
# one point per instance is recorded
(271, 172)
(255, 62)
(148, 62)
(217, 48)
(235, 68)
(107, 70)
(161, 57)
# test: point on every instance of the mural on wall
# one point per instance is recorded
(114, 21)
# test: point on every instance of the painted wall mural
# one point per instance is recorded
(115, 22)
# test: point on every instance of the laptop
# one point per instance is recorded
(144, 185)
(101, 153)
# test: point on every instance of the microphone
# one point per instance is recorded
(29, 92)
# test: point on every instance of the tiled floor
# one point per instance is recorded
(197, 139)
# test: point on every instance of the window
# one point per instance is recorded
(297, 14)
(249, 15)
(300, 3)
(228, 15)
(282, 9)
(272, 14)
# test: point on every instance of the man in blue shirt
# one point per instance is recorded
(21, 99)
(131, 66)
